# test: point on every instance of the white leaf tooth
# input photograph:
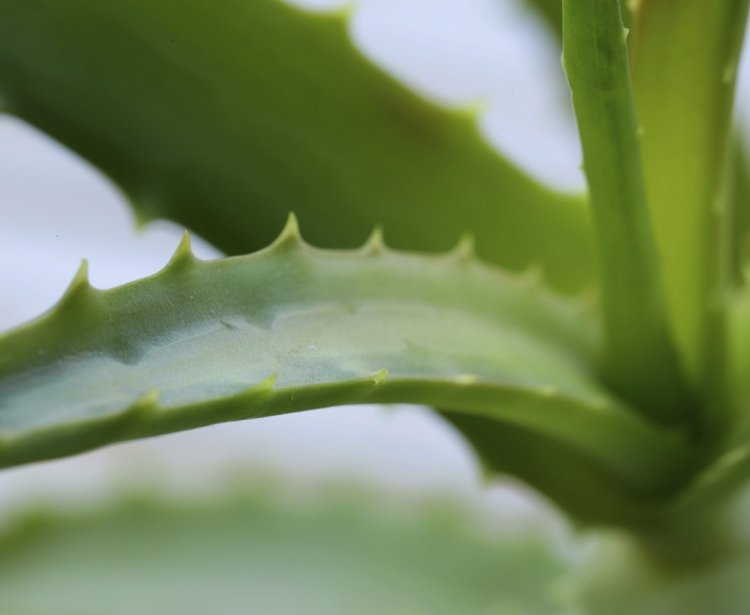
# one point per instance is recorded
(375, 243)
(146, 403)
(183, 255)
(379, 376)
(475, 108)
(267, 385)
(290, 236)
(79, 286)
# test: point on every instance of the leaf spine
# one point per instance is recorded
(476, 108)
(146, 403)
(379, 376)
(267, 385)
(183, 255)
(79, 286)
(375, 243)
(290, 236)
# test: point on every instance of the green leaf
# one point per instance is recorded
(224, 117)
(259, 554)
(684, 95)
(641, 359)
(551, 12)
(292, 328)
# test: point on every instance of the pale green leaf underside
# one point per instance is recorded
(254, 554)
(224, 116)
(293, 328)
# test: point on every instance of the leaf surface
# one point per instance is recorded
(293, 328)
(226, 117)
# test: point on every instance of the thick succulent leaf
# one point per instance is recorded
(641, 358)
(551, 12)
(684, 96)
(256, 554)
(226, 116)
(293, 328)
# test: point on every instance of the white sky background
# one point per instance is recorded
(55, 210)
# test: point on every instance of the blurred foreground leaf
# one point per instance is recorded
(258, 555)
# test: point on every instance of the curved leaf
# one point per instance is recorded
(257, 554)
(293, 328)
(224, 117)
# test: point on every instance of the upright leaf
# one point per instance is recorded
(685, 58)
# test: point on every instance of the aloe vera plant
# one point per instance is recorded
(615, 383)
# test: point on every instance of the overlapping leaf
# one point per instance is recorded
(225, 117)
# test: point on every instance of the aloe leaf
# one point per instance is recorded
(684, 96)
(225, 117)
(257, 553)
(641, 358)
(623, 579)
(552, 13)
(293, 328)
